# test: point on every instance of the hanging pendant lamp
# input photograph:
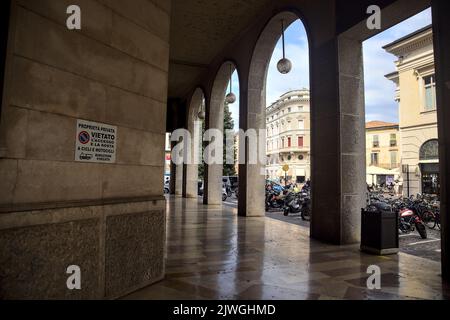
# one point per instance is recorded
(284, 66)
(231, 97)
(201, 114)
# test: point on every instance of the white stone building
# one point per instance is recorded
(288, 136)
(416, 96)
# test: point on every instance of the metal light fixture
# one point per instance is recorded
(231, 97)
(201, 114)
(284, 66)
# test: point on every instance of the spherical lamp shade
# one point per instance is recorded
(284, 66)
(230, 98)
(201, 115)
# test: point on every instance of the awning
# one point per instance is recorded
(377, 171)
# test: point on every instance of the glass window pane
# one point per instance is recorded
(429, 98)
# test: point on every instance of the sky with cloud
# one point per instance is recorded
(379, 92)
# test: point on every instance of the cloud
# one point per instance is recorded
(297, 51)
(379, 91)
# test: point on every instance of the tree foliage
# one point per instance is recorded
(228, 124)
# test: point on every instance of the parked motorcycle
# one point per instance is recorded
(298, 203)
(292, 204)
(409, 221)
(224, 194)
(409, 212)
(306, 209)
(274, 200)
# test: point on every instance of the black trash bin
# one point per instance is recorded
(379, 230)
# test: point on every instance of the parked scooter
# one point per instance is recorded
(298, 203)
(292, 204)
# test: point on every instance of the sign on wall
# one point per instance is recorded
(95, 142)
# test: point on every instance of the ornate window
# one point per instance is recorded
(430, 150)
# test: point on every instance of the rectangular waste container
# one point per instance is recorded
(379, 232)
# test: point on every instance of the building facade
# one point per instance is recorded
(416, 97)
(288, 137)
(382, 155)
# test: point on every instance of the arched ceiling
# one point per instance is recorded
(200, 29)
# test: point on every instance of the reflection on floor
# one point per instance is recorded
(213, 254)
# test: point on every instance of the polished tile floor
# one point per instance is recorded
(213, 254)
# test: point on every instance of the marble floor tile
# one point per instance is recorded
(214, 254)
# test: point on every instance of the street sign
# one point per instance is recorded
(286, 168)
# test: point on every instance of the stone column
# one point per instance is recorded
(338, 141)
(441, 31)
(352, 137)
(173, 174)
(254, 205)
(179, 180)
(191, 169)
(214, 120)
(214, 171)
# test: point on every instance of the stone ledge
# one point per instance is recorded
(72, 204)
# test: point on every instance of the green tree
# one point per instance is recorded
(228, 124)
(201, 167)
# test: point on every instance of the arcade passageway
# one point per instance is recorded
(140, 69)
(214, 254)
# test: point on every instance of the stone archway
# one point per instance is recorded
(214, 120)
(194, 126)
(252, 177)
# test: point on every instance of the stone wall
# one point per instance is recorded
(106, 218)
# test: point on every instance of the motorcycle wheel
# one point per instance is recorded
(286, 212)
(306, 215)
(429, 220)
(422, 230)
(224, 197)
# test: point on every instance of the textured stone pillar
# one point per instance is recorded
(194, 126)
(441, 31)
(214, 120)
(338, 141)
(214, 171)
(179, 180)
(255, 172)
(173, 174)
(352, 137)
(191, 172)
(191, 181)
(108, 218)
